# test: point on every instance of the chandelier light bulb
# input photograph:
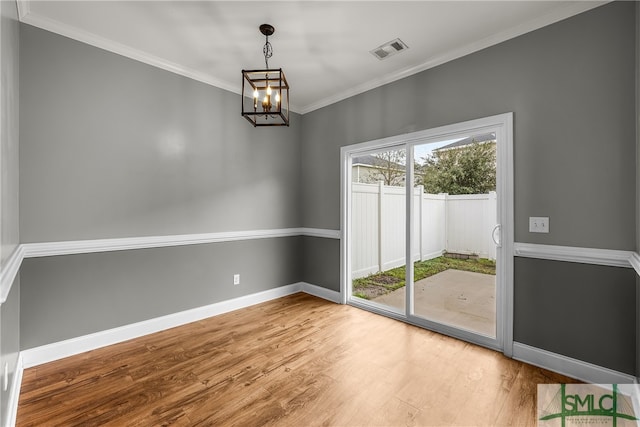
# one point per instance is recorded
(267, 88)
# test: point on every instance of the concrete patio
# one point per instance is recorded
(458, 298)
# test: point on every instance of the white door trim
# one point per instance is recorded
(502, 124)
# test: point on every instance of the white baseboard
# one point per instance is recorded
(321, 292)
(568, 366)
(58, 350)
(14, 394)
(50, 352)
(35, 356)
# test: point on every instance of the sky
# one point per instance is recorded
(422, 151)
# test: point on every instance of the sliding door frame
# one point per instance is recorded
(502, 124)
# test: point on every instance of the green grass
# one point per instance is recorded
(361, 295)
(390, 280)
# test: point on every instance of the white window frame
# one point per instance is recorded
(502, 124)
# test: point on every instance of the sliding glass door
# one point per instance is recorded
(425, 218)
(378, 222)
(454, 213)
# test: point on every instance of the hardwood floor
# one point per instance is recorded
(295, 361)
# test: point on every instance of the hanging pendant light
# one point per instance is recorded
(265, 93)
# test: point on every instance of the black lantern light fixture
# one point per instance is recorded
(265, 93)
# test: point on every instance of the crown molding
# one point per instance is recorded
(571, 9)
(25, 15)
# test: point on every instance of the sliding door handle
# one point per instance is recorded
(497, 231)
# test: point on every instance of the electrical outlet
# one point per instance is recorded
(538, 224)
(236, 279)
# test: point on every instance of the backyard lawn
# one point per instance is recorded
(382, 283)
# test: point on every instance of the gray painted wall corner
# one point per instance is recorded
(68, 296)
(321, 266)
(9, 190)
(568, 87)
(124, 149)
(147, 182)
(9, 129)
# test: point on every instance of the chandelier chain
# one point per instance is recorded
(267, 89)
(267, 50)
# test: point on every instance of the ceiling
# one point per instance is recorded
(323, 46)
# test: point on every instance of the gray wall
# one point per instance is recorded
(111, 147)
(582, 311)
(571, 87)
(319, 253)
(9, 130)
(68, 296)
(9, 228)
(114, 148)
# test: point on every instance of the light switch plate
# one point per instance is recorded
(538, 224)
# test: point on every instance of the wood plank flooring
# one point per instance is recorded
(294, 361)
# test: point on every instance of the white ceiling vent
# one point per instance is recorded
(389, 49)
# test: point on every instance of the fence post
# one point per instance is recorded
(446, 221)
(380, 223)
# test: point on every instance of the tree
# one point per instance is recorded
(390, 167)
(470, 169)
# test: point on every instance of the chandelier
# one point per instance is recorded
(265, 93)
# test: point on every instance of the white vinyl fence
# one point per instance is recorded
(459, 224)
